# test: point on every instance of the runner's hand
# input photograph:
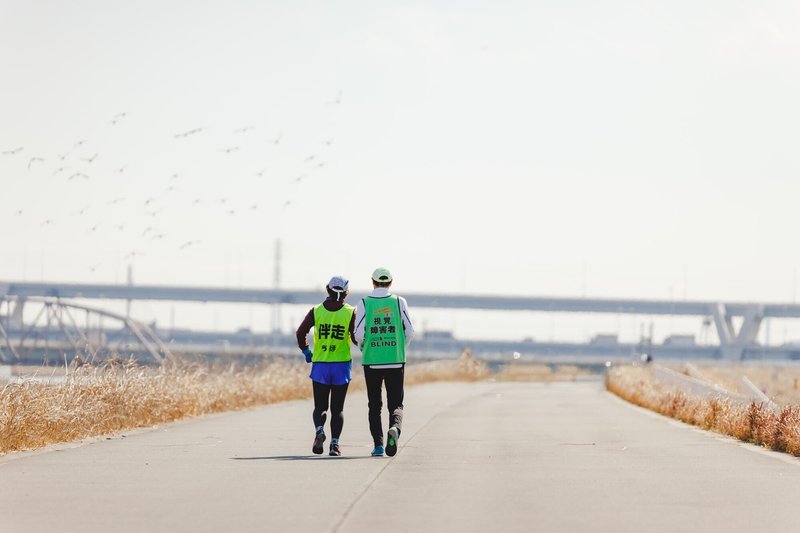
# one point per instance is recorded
(308, 354)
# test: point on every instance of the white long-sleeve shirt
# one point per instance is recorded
(360, 325)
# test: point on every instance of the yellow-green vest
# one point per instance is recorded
(332, 334)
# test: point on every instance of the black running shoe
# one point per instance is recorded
(335, 451)
(318, 440)
(391, 441)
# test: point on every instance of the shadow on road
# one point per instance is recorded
(299, 458)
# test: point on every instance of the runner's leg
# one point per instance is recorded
(321, 392)
(373, 378)
(394, 395)
(338, 394)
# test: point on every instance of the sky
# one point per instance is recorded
(615, 149)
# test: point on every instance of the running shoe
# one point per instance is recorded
(318, 440)
(377, 451)
(391, 441)
(335, 451)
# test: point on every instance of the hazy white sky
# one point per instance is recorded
(640, 149)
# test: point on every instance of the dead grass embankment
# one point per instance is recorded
(463, 368)
(779, 381)
(754, 423)
(539, 372)
(93, 401)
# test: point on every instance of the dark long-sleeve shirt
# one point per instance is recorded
(308, 323)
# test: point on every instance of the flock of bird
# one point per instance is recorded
(79, 164)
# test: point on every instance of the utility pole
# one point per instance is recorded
(130, 284)
(276, 284)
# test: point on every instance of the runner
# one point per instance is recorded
(383, 330)
(332, 321)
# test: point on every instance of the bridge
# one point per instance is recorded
(733, 340)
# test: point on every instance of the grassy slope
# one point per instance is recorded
(753, 423)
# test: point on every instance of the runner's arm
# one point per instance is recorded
(304, 329)
(408, 326)
(359, 330)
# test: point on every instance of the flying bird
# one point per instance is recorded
(117, 118)
(90, 160)
(59, 170)
(187, 244)
(244, 130)
(188, 133)
(78, 175)
(14, 151)
(35, 160)
(230, 149)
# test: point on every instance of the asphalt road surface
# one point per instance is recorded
(472, 457)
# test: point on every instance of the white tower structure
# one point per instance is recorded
(276, 284)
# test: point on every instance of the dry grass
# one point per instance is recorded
(753, 423)
(780, 383)
(91, 401)
(464, 368)
(539, 372)
(94, 401)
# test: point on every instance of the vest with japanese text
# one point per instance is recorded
(384, 338)
(332, 334)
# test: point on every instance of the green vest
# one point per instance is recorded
(332, 334)
(384, 338)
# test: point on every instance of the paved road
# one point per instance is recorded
(473, 457)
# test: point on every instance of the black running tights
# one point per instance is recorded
(337, 395)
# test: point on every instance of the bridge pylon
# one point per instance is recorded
(733, 343)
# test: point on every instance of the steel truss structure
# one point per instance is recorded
(65, 328)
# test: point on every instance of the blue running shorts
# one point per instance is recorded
(331, 373)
